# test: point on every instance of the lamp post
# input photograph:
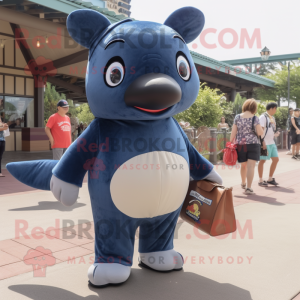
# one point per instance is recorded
(265, 53)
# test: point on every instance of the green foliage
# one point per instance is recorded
(280, 92)
(281, 117)
(227, 108)
(205, 111)
(51, 97)
(9, 107)
(238, 103)
(261, 108)
(84, 114)
(265, 68)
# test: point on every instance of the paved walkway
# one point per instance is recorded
(260, 261)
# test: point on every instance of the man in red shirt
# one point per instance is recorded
(58, 130)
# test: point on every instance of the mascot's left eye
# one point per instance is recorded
(183, 67)
(114, 74)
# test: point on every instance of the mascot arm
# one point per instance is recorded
(69, 172)
(64, 192)
(200, 167)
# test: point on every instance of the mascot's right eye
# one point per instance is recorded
(114, 74)
(183, 67)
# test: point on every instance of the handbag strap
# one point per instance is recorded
(267, 127)
(253, 125)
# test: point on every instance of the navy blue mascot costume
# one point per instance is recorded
(138, 158)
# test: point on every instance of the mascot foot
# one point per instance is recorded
(101, 275)
(162, 261)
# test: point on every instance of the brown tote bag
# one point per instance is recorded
(209, 207)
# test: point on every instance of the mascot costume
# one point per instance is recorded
(139, 160)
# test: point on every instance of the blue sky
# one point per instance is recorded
(276, 21)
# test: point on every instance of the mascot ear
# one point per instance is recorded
(84, 25)
(187, 21)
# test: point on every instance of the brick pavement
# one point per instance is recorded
(63, 247)
(13, 251)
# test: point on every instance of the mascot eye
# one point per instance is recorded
(114, 74)
(183, 67)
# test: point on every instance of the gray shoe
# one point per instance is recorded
(249, 191)
(263, 183)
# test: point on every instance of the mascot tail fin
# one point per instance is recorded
(36, 173)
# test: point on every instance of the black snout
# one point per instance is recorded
(153, 91)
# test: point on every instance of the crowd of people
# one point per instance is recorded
(254, 137)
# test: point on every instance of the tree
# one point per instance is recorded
(265, 68)
(84, 113)
(261, 108)
(205, 111)
(238, 103)
(227, 108)
(280, 91)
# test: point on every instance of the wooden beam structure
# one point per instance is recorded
(67, 60)
(68, 86)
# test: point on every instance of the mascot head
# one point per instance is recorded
(138, 70)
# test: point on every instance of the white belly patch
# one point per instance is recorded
(150, 184)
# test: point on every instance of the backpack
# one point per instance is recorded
(230, 154)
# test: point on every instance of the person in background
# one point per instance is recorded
(248, 144)
(288, 127)
(58, 130)
(222, 124)
(84, 126)
(74, 126)
(295, 134)
(18, 122)
(3, 126)
(80, 129)
(268, 124)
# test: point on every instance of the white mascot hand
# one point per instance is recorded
(64, 192)
(214, 177)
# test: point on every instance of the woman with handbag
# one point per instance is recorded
(3, 126)
(245, 132)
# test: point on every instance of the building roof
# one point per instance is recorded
(258, 60)
(222, 67)
(67, 6)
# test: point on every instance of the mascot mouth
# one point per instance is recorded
(153, 93)
(151, 110)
